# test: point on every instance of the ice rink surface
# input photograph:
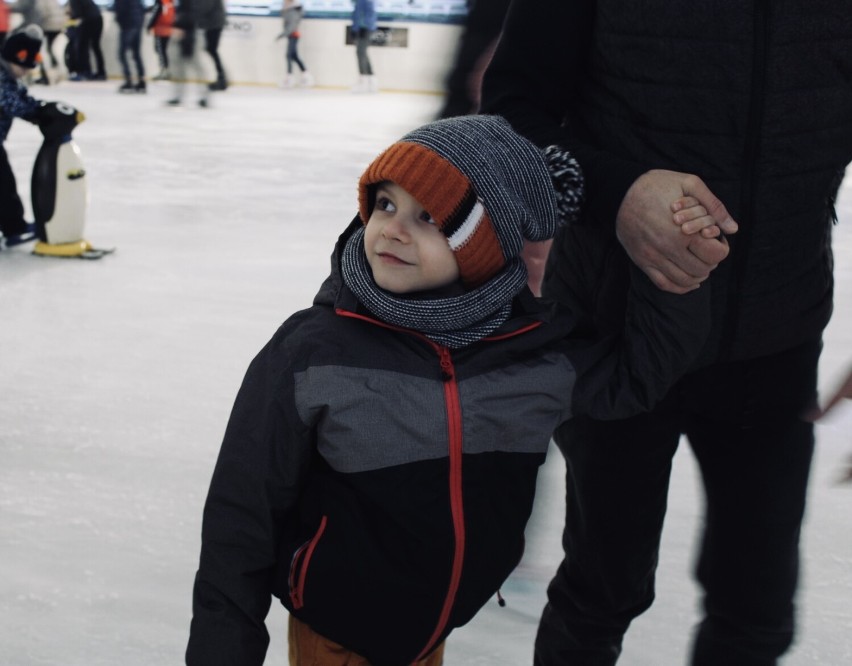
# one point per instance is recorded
(117, 378)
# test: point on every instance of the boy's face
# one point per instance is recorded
(404, 246)
(18, 71)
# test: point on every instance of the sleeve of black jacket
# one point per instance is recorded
(255, 483)
(663, 336)
(155, 15)
(535, 77)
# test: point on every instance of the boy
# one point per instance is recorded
(380, 462)
(19, 56)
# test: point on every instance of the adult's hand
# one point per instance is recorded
(675, 261)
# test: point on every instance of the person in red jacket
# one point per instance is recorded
(4, 22)
(162, 19)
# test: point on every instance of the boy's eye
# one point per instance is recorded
(425, 217)
(385, 204)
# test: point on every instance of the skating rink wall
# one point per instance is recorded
(416, 59)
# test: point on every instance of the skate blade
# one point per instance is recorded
(81, 249)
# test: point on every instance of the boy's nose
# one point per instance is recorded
(397, 227)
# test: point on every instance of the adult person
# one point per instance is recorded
(364, 24)
(89, 39)
(210, 17)
(53, 23)
(187, 63)
(160, 23)
(51, 18)
(476, 45)
(129, 15)
(743, 104)
(291, 16)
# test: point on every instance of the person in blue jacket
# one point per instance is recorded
(363, 26)
(379, 465)
(20, 54)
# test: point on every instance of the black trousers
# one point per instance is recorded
(754, 451)
(90, 40)
(11, 208)
(211, 45)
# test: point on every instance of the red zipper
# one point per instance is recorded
(454, 431)
(297, 589)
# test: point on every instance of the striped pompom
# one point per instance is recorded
(567, 180)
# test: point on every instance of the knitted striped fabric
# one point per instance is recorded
(450, 199)
(455, 321)
(486, 187)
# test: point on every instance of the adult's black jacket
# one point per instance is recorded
(754, 97)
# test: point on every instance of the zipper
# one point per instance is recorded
(454, 431)
(452, 404)
(742, 240)
(296, 583)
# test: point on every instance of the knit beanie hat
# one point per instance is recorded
(23, 47)
(485, 186)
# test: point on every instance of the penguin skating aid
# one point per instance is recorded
(59, 187)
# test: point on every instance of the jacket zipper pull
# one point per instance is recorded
(446, 365)
(500, 600)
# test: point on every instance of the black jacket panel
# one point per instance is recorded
(379, 483)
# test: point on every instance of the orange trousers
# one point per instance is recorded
(308, 648)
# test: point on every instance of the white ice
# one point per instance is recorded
(117, 377)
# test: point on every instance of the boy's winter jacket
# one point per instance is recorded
(379, 484)
(53, 15)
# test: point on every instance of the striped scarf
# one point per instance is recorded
(452, 321)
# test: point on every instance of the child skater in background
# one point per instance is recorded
(20, 54)
(292, 14)
(162, 19)
(379, 465)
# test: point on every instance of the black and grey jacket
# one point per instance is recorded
(754, 97)
(379, 483)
